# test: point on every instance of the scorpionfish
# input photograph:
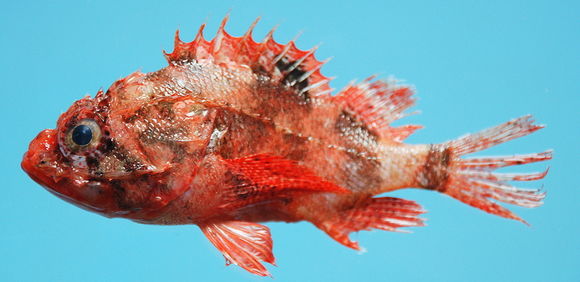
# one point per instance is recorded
(235, 132)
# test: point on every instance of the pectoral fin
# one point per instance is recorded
(277, 173)
(262, 178)
(244, 244)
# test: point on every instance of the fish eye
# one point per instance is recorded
(85, 133)
(82, 135)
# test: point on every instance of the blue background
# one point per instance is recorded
(475, 64)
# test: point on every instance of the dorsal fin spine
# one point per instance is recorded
(314, 86)
(287, 47)
(248, 34)
(199, 36)
(220, 35)
(261, 57)
(197, 42)
(301, 59)
(316, 68)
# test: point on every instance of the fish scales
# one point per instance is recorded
(234, 133)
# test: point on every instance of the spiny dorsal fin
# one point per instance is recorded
(284, 63)
(377, 104)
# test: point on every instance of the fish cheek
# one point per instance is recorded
(170, 130)
(93, 191)
(110, 160)
(121, 196)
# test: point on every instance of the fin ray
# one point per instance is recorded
(282, 62)
(384, 213)
(244, 244)
(473, 180)
(378, 103)
(274, 172)
(264, 177)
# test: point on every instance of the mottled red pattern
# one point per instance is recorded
(235, 132)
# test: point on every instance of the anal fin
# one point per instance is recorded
(385, 213)
(244, 244)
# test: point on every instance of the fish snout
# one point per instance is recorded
(40, 156)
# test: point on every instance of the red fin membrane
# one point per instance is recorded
(262, 178)
(384, 213)
(270, 172)
(244, 244)
(377, 104)
(282, 62)
(473, 180)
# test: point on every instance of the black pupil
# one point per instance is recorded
(82, 135)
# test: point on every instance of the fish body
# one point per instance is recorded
(234, 132)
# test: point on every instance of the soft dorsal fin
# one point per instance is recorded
(285, 63)
(244, 244)
(378, 103)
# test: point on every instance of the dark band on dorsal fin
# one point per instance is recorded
(283, 63)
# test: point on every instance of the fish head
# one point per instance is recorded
(63, 159)
(119, 153)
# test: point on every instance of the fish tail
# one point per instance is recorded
(474, 181)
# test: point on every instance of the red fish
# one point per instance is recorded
(234, 132)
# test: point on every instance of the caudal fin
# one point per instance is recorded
(474, 181)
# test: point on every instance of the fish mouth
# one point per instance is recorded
(40, 163)
(36, 161)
